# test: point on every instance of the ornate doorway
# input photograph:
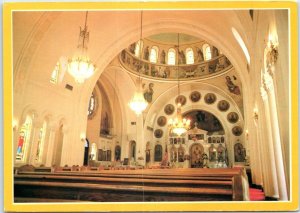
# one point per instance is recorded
(196, 153)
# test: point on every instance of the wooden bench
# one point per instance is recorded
(133, 185)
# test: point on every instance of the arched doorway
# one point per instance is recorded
(148, 156)
(196, 153)
(117, 153)
(86, 152)
(58, 146)
(132, 150)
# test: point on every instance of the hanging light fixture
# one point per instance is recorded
(80, 67)
(138, 103)
(179, 125)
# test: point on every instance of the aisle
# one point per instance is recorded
(256, 194)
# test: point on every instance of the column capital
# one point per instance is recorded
(263, 93)
(268, 80)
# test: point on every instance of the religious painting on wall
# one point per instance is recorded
(169, 109)
(158, 133)
(180, 99)
(231, 86)
(148, 92)
(161, 121)
(210, 98)
(195, 96)
(100, 155)
(180, 154)
(158, 153)
(232, 117)
(239, 153)
(223, 105)
(237, 130)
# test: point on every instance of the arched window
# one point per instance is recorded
(138, 48)
(158, 153)
(41, 141)
(189, 56)
(171, 56)
(92, 105)
(55, 74)
(154, 54)
(207, 52)
(241, 43)
(23, 141)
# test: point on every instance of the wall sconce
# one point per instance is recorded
(247, 134)
(272, 54)
(82, 137)
(255, 112)
(15, 125)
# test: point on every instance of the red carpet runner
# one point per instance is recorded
(256, 194)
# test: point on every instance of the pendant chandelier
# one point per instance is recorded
(179, 125)
(138, 103)
(80, 67)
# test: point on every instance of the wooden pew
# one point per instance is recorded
(133, 185)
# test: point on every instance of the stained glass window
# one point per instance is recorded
(189, 56)
(55, 73)
(23, 140)
(154, 54)
(171, 56)
(138, 48)
(40, 146)
(207, 52)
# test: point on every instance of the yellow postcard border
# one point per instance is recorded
(161, 206)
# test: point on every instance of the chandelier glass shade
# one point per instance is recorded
(138, 103)
(80, 67)
(179, 125)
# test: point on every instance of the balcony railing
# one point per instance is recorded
(199, 70)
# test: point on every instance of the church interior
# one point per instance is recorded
(142, 100)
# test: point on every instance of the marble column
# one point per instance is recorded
(50, 149)
(279, 161)
(36, 125)
(272, 157)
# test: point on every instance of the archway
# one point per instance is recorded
(117, 153)
(132, 150)
(86, 152)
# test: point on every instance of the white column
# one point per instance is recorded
(140, 143)
(50, 149)
(276, 138)
(269, 136)
(34, 142)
